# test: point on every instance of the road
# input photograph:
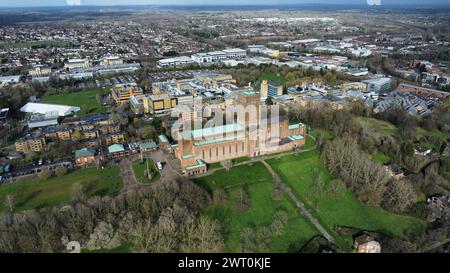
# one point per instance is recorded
(128, 176)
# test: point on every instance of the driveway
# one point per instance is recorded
(168, 173)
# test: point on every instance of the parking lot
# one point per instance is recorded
(126, 79)
(33, 170)
(163, 76)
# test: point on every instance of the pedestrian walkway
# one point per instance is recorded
(298, 203)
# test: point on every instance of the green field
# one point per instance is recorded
(139, 169)
(343, 209)
(274, 77)
(215, 165)
(84, 99)
(377, 127)
(380, 157)
(33, 44)
(259, 185)
(38, 193)
(309, 143)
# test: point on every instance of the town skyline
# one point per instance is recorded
(48, 3)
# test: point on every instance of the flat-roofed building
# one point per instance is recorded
(177, 61)
(161, 103)
(378, 85)
(270, 89)
(215, 79)
(137, 104)
(235, 53)
(111, 60)
(121, 93)
(44, 108)
(40, 70)
(77, 63)
(42, 120)
(217, 56)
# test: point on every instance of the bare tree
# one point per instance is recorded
(242, 201)
(61, 171)
(399, 196)
(202, 236)
(219, 196)
(9, 202)
(227, 164)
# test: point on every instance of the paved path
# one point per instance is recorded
(255, 159)
(126, 170)
(298, 203)
(168, 173)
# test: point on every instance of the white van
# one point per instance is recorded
(159, 164)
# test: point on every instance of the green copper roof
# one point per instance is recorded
(149, 144)
(296, 137)
(295, 126)
(187, 156)
(116, 148)
(163, 138)
(84, 152)
(248, 93)
(200, 164)
(217, 130)
(219, 140)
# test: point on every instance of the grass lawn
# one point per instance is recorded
(274, 77)
(240, 159)
(38, 193)
(213, 166)
(139, 168)
(33, 43)
(259, 185)
(124, 248)
(380, 157)
(309, 143)
(429, 145)
(325, 133)
(435, 133)
(84, 99)
(376, 126)
(344, 210)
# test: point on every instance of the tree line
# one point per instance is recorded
(165, 218)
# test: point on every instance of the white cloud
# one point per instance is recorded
(73, 2)
(374, 2)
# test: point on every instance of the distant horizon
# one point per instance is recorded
(233, 5)
(229, 3)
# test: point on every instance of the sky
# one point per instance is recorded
(34, 3)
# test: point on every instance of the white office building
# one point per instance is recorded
(378, 85)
